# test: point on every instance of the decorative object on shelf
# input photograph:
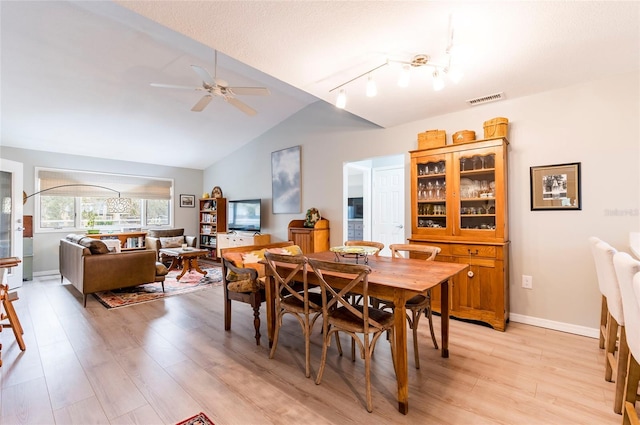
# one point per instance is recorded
(496, 127)
(438, 70)
(312, 217)
(114, 205)
(187, 201)
(432, 139)
(205, 195)
(556, 187)
(285, 180)
(463, 136)
(216, 192)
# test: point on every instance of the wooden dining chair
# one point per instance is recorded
(614, 321)
(378, 245)
(342, 316)
(627, 271)
(420, 303)
(291, 299)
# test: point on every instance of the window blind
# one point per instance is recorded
(136, 187)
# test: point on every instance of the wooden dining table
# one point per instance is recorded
(391, 279)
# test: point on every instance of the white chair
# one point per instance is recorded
(603, 254)
(604, 311)
(627, 272)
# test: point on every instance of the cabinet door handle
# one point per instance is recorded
(472, 253)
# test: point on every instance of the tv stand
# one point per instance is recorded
(229, 240)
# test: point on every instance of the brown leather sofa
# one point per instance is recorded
(90, 267)
(167, 238)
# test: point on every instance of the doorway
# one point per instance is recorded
(378, 185)
(11, 226)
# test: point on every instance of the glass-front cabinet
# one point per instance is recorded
(459, 203)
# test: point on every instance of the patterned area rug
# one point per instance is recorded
(190, 282)
(199, 419)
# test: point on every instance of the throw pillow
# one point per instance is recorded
(251, 259)
(96, 246)
(172, 242)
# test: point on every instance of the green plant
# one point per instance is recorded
(91, 219)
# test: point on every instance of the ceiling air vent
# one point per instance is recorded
(486, 99)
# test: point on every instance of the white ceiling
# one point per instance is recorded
(75, 75)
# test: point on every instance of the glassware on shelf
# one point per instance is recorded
(462, 164)
(489, 161)
(477, 163)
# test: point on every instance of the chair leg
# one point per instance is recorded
(415, 318)
(612, 336)
(604, 313)
(227, 314)
(326, 339)
(631, 383)
(14, 322)
(630, 416)
(621, 371)
(433, 334)
(276, 333)
(367, 373)
(256, 322)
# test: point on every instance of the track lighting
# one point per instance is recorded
(405, 76)
(438, 82)
(342, 100)
(372, 90)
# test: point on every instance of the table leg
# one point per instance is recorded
(186, 265)
(402, 368)
(193, 263)
(269, 287)
(444, 317)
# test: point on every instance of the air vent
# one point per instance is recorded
(486, 99)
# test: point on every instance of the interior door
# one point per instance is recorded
(11, 226)
(388, 207)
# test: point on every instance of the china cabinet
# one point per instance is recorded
(213, 220)
(459, 203)
(310, 239)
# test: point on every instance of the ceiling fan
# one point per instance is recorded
(218, 87)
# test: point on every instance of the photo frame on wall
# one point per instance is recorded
(285, 181)
(556, 187)
(187, 201)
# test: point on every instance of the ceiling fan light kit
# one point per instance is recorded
(418, 61)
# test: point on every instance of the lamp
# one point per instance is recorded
(114, 205)
(418, 61)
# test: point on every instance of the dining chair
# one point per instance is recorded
(627, 270)
(603, 254)
(602, 285)
(339, 315)
(289, 299)
(378, 245)
(420, 303)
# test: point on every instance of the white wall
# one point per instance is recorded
(595, 124)
(45, 245)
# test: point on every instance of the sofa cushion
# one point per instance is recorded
(164, 233)
(171, 242)
(96, 246)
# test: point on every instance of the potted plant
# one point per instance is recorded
(91, 222)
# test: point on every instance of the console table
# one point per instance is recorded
(310, 239)
(128, 240)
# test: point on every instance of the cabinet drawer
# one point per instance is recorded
(475, 250)
(358, 226)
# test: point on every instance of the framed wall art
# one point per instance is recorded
(285, 181)
(556, 187)
(187, 201)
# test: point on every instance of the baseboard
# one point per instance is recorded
(47, 273)
(556, 326)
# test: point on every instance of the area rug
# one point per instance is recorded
(190, 282)
(199, 419)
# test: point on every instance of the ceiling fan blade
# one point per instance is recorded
(202, 103)
(172, 86)
(204, 74)
(254, 91)
(240, 105)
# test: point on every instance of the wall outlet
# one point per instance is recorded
(527, 281)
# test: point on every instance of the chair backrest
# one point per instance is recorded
(358, 276)
(378, 245)
(607, 280)
(285, 283)
(626, 270)
(430, 251)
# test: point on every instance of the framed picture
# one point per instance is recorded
(556, 187)
(285, 180)
(187, 201)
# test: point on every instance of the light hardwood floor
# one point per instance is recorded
(161, 362)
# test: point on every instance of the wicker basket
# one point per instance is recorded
(432, 139)
(496, 127)
(463, 136)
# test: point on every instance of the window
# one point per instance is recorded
(77, 200)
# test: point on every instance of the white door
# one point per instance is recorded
(11, 225)
(388, 207)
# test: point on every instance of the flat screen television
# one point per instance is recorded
(244, 215)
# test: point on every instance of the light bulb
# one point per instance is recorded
(455, 75)
(438, 83)
(405, 75)
(372, 90)
(341, 102)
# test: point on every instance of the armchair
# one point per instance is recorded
(167, 238)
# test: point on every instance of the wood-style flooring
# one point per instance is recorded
(164, 361)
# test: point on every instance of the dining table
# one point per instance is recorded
(391, 279)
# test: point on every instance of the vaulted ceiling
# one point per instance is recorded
(75, 76)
